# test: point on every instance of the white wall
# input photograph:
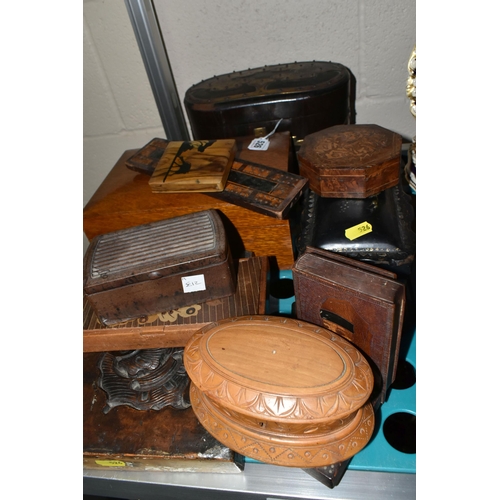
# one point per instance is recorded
(204, 38)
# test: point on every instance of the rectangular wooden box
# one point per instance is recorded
(194, 166)
(358, 301)
(165, 440)
(124, 200)
(174, 328)
(158, 266)
(260, 188)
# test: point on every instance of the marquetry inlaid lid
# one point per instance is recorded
(280, 390)
(350, 161)
(279, 368)
(350, 146)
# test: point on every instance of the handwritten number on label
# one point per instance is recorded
(359, 230)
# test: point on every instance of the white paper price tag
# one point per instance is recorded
(193, 283)
(259, 144)
(262, 143)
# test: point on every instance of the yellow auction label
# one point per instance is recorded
(110, 463)
(356, 231)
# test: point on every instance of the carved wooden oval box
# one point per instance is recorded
(351, 161)
(280, 391)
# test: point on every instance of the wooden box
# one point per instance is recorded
(261, 188)
(389, 242)
(281, 391)
(308, 96)
(193, 166)
(158, 266)
(358, 301)
(351, 161)
(128, 439)
(174, 328)
(124, 200)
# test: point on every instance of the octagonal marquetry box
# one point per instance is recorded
(351, 161)
(279, 390)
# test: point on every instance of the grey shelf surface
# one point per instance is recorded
(257, 481)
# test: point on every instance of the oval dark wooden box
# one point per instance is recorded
(308, 96)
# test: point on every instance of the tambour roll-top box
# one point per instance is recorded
(351, 161)
(158, 267)
(308, 96)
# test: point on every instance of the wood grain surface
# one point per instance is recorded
(193, 166)
(156, 440)
(351, 161)
(175, 328)
(280, 390)
(124, 199)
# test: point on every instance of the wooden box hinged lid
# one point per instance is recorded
(155, 250)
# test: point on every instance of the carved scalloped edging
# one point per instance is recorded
(320, 408)
(273, 451)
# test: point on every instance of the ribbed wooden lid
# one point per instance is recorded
(278, 369)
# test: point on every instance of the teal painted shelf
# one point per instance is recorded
(379, 455)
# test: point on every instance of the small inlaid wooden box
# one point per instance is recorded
(351, 161)
(194, 166)
(157, 267)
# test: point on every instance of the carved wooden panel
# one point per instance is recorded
(145, 379)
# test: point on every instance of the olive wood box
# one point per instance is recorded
(350, 161)
(360, 302)
(159, 266)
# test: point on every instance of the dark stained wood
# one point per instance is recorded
(125, 438)
(158, 266)
(358, 301)
(307, 96)
(262, 189)
(175, 328)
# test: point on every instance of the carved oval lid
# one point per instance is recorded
(278, 369)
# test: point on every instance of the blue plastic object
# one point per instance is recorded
(379, 455)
